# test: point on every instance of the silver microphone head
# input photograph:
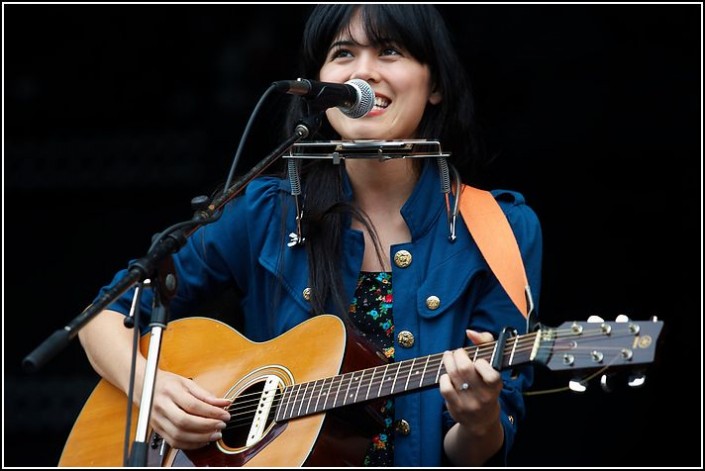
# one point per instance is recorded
(365, 99)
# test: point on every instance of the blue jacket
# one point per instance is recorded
(246, 248)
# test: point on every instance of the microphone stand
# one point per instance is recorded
(164, 288)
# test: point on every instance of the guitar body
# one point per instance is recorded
(223, 361)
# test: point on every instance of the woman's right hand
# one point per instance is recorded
(183, 413)
(186, 415)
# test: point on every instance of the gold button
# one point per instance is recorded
(403, 427)
(307, 294)
(511, 419)
(402, 259)
(432, 302)
(405, 339)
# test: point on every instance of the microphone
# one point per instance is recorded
(355, 98)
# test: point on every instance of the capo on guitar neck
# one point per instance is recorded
(499, 347)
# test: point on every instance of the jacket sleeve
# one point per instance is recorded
(215, 256)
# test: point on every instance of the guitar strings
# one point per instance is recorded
(245, 409)
(245, 418)
(398, 365)
(401, 368)
(340, 380)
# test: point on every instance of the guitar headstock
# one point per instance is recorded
(578, 345)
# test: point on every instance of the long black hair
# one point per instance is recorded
(420, 30)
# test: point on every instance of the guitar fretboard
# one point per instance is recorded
(303, 399)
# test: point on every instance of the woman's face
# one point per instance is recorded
(402, 86)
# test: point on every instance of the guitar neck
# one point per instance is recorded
(303, 399)
(571, 346)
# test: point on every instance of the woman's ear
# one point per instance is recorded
(435, 97)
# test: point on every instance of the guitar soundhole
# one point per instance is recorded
(252, 413)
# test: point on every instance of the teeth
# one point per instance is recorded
(381, 102)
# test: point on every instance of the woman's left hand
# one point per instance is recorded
(471, 389)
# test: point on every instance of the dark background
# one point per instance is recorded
(115, 116)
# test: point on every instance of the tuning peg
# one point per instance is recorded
(595, 318)
(622, 318)
(607, 382)
(577, 385)
(636, 380)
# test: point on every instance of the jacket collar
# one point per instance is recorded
(426, 203)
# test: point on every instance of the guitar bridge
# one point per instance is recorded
(266, 400)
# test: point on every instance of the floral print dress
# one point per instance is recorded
(371, 312)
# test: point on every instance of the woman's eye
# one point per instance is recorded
(390, 51)
(340, 53)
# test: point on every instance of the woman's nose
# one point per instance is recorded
(366, 68)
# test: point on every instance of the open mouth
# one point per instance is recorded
(382, 102)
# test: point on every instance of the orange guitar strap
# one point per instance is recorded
(491, 231)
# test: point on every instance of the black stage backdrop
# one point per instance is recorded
(115, 116)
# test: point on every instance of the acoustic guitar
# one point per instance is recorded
(296, 399)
